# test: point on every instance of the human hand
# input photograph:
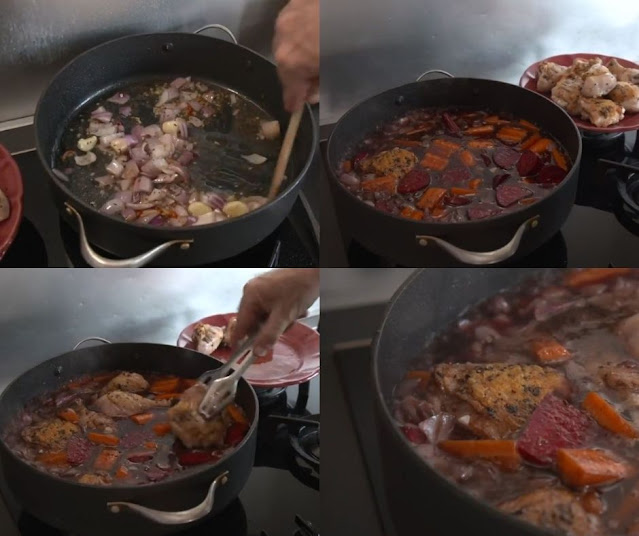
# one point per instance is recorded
(296, 52)
(274, 300)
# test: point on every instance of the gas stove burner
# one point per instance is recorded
(306, 441)
(593, 138)
(629, 191)
(265, 395)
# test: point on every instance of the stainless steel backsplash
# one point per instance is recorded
(368, 47)
(37, 37)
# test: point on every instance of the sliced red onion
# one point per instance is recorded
(106, 141)
(209, 97)
(168, 95)
(195, 121)
(105, 180)
(188, 96)
(160, 150)
(184, 129)
(153, 131)
(86, 159)
(348, 179)
(103, 117)
(207, 112)
(119, 98)
(140, 206)
(120, 144)
(142, 184)
(156, 195)
(201, 87)
(165, 178)
(138, 132)
(255, 159)
(178, 82)
(98, 129)
(270, 129)
(131, 170)
(191, 220)
(113, 206)
(154, 167)
(115, 167)
(158, 220)
(139, 155)
(195, 105)
(128, 214)
(213, 200)
(182, 197)
(125, 111)
(124, 195)
(177, 168)
(438, 427)
(148, 215)
(178, 222)
(185, 158)
(168, 114)
(131, 140)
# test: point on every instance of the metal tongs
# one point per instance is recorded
(222, 387)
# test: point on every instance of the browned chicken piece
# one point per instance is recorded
(598, 81)
(121, 404)
(96, 480)
(207, 338)
(549, 74)
(499, 398)
(601, 112)
(580, 66)
(622, 376)
(623, 74)
(228, 331)
(626, 95)
(92, 420)
(628, 330)
(567, 93)
(52, 434)
(192, 428)
(396, 163)
(131, 382)
(554, 510)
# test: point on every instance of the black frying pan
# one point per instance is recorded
(419, 496)
(98, 72)
(507, 237)
(82, 509)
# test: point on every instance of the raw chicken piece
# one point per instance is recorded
(5, 207)
(598, 81)
(395, 163)
(52, 433)
(97, 480)
(623, 377)
(627, 95)
(580, 66)
(567, 93)
(601, 112)
(190, 427)
(623, 74)
(549, 74)
(228, 332)
(131, 382)
(629, 332)
(121, 404)
(208, 338)
(92, 420)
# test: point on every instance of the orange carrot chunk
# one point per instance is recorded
(590, 467)
(419, 374)
(106, 459)
(481, 144)
(236, 414)
(462, 191)
(408, 143)
(511, 134)
(431, 198)
(528, 201)
(168, 396)
(53, 458)
(550, 350)
(445, 148)
(167, 385)
(186, 383)
(347, 166)
(492, 119)
(103, 439)
(502, 452)
(475, 183)
(607, 416)
(434, 162)
(484, 130)
(542, 145)
(467, 158)
(151, 445)
(528, 125)
(142, 418)
(412, 213)
(530, 142)
(381, 184)
(122, 472)
(162, 428)
(560, 159)
(69, 415)
(438, 212)
(592, 276)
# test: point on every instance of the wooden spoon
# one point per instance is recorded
(285, 153)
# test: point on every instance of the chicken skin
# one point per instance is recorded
(598, 81)
(131, 382)
(208, 338)
(580, 66)
(626, 95)
(567, 93)
(549, 74)
(52, 434)
(623, 74)
(121, 404)
(601, 112)
(395, 163)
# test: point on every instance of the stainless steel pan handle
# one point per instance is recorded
(105, 341)
(217, 27)
(174, 518)
(431, 71)
(483, 258)
(98, 261)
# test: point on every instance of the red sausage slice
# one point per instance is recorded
(509, 194)
(551, 175)
(413, 181)
(500, 179)
(457, 200)
(505, 157)
(482, 211)
(529, 164)
(78, 450)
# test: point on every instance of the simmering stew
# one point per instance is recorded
(530, 401)
(454, 165)
(120, 428)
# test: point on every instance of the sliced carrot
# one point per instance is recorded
(381, 184)
(560, 159)
(607, 416)
(122, 472)
(103, 439)
(53, 458)
(550, 350)
(417, 131)
(492, 119)
(511, 134)
(412, 213)
(162, 428)
(69, 415)
(541, 145)
(142, 418)
(528, 124)
(592, 276)
(481, 144)
(484, 130)
(528, 201)
(445, 147)
(408, 143)
(438, 212)
(236, 414)
(475, 183)
(434, 162)
(186, 383)
(530, 142)
(106, 459)
(462, 191)
(419, 374)
(80, 382)
(502, 452)
(467, 158)
(347, 166)
(590, 467)
(431, 198)
(166, 385)
(168, 396)
(151, 445)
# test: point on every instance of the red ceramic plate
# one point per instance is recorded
(295, 358)
(11, 185)
(529, 81)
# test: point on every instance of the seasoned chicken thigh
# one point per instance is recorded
(567, 93)
(623, 74)
(52, 434)
(549, 74)
(92, 420)
(627, 95)
(601, 112)
(208, 338)
(580, 66)
(395, 163)
(131, 382)
(121, 404)
(598, 81)
(629, 332)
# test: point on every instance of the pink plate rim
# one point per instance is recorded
(11, 184)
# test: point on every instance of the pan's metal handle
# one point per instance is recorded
(98, 261)
(483, 258)
(217, 27)
(105, 341)
(431, 71)
(174, 518)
